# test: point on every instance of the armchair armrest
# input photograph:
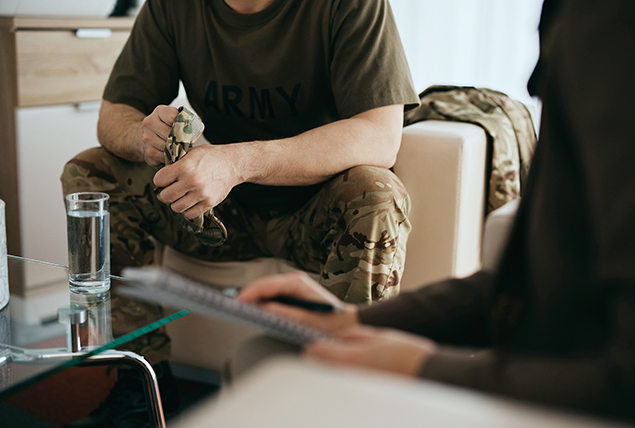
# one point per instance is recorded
(443, 166)
(497, 231)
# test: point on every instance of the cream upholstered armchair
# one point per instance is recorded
(443, 166)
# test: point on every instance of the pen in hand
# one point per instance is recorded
(291, 301)
(306, 304)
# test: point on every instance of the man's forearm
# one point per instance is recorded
(204, 178)
(371, 138)
(120, 130)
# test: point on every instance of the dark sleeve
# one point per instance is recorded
(368, 65)
(601, 381)
(449, 311)
(146, 72)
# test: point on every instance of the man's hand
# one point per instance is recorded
(300, 285)
(200, 180)
(156, 129)
(130, 134)
(386, 350)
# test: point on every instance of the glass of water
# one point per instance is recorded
(88, 231)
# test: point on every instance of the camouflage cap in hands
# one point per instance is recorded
(187, 127)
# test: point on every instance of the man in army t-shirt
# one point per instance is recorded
(303, 106)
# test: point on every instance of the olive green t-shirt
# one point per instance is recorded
(294, 66)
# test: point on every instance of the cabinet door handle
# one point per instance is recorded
(93, 33)
(87, 106)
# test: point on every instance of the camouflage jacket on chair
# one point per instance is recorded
(507, 123)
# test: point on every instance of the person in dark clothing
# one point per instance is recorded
(556, 322)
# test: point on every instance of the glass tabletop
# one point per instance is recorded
(45, 323)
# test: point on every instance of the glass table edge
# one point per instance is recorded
(81, 357)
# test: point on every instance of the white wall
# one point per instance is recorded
(483, 43)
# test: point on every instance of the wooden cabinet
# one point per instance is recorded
(58, 67)
(51, 70)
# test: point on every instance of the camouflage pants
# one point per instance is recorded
(353, 232)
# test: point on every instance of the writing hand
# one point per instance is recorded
(299, 285)
(386, 350)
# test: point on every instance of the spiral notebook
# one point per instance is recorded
(169, 289)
